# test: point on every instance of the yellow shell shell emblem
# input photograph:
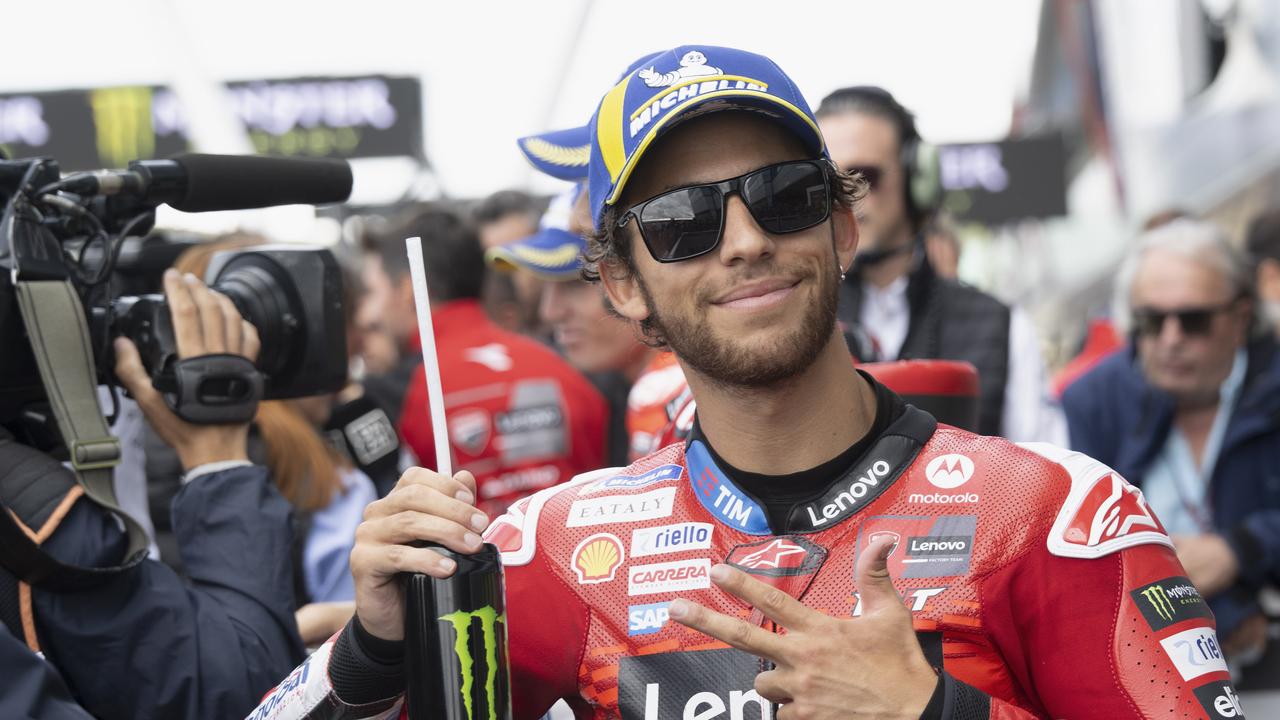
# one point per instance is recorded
(597, 558)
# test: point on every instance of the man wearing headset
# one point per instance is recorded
(903, 305)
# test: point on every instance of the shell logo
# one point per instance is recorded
(597, 559)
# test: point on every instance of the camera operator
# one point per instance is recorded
(146, 644)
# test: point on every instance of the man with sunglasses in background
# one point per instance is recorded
(906, 306)
(1191, 414)
(818, 548)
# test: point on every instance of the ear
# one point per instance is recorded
(403, 294)
(844, 230)
(622, 288)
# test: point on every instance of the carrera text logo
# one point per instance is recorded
(1195, 652)
(597, 558)
(1169, 601)
(1112, 509)
(949, 471)
(461, 622)
(677, 576)
(621, 508)
(779, 557)
(1219, 700)
(849, 500)
(670, 538)
(647, 619)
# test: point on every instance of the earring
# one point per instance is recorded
(842, 272)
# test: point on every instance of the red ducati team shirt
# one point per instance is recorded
(1033, 574)
(520, 418)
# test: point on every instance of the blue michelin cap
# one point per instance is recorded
(552, 253)
(648, 101)
(563, 154)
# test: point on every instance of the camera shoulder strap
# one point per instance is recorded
(55, 322)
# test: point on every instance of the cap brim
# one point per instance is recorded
(551, 254)
(562, 154)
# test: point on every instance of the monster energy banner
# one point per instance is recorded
(337, 117)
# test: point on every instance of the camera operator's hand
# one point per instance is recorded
(204, 323)
(424, 505)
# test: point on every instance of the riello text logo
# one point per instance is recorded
(461, 622)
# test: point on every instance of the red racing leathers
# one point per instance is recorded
(1034, 574)
(520, 418)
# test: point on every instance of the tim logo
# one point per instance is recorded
(490, 643)
(949, 471)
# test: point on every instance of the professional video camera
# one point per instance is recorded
(63, 235)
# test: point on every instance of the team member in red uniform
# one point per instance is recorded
(520, 418)
(818, 549)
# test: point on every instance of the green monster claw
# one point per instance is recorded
(461, 622)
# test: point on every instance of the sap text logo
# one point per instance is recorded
(851, 498)
(631, 482)
(1219, 700)
(677, 576)
(918, 600)
(679, 537)
(494, 642)
(597, 558)
(942, 498)
(949, 471)
(779, 557)
(647, 619)
(1195, 652)
(621, 508)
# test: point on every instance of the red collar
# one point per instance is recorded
(451, 318)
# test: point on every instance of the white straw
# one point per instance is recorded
(430, 363)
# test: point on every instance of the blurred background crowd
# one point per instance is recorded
(1081, 198)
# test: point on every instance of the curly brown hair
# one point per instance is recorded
(608, 246)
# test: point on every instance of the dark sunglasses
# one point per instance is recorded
(689, 221)
(870, 173)
(1197, 321)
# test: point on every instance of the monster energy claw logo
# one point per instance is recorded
(1159, 600)
(461, 621)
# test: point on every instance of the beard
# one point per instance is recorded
(726, 362)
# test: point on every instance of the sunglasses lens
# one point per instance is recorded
(788, 198)
(1195, 322)
(683, 223)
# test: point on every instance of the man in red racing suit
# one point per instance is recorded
(817, 548)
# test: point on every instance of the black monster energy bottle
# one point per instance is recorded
(456, 641)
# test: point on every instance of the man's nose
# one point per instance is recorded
(744, 240)
(551, 306)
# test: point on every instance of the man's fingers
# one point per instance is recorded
(232, 325)
(212, 325)
(871, 575)
(775, 604)
(409, 527)
(770, 686)
(389, 560)
(185, 315)
(461, 486)
(469, 485)
(735, 632)
(131, 373)
(252, 343)
(430, 493)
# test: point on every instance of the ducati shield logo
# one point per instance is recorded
(889, 534)
(778, 557)
(494, 643)
(949, 471)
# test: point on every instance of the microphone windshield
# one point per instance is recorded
(242, 182)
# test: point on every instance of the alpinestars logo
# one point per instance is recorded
(494, 642)
(790, 555)
(949, 471)
(1112, 509)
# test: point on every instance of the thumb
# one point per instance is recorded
(871, 573)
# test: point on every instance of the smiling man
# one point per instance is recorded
(818, 548)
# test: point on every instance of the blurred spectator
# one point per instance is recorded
(905, 305)
(1191, 414)
(520, 418)
(1263, 244)
(592, 338)
(512, 301)
(327, 493)
(942, 245)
